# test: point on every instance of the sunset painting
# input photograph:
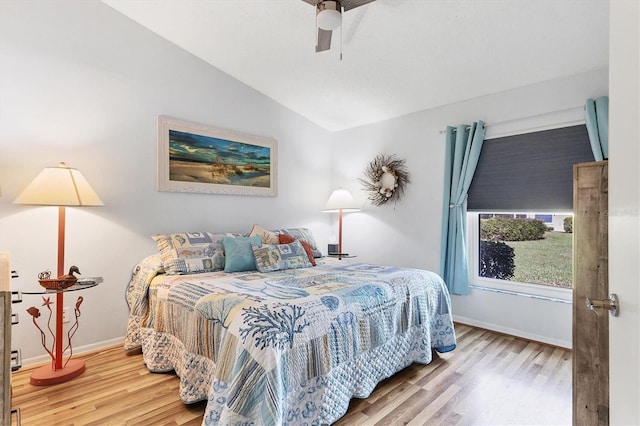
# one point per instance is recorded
(206, 159)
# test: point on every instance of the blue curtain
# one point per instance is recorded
(596, 113)
(463, 145)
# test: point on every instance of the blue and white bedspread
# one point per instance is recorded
(287, 347)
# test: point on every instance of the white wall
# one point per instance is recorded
(83, 84)
(409, 234)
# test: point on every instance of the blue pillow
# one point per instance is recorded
(238, 255)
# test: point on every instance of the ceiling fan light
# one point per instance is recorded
(329, 19)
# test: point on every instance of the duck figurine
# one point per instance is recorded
(61, 282)
(70, 278)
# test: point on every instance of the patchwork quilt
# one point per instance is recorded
(286, 347)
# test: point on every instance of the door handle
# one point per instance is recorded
(611, 304)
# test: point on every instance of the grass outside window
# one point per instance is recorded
(524, 249)
(547, 261)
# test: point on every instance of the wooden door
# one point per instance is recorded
(590, 280)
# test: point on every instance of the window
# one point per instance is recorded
(520, 211)
(526, 249)
(535, 266)
(546, 218)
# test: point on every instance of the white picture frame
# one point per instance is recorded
(198, 158)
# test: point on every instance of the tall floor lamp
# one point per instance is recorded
(340, 202)
(60, 186)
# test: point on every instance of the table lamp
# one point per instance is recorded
(340, 202)
(59, 186)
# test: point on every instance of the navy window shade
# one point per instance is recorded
(531, 172)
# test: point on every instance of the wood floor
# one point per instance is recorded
(490, 379)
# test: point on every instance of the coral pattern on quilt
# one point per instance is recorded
(291, 346)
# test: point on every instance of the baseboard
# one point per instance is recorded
(43, 359)
(512, 332)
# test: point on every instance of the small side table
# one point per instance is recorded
(59, 371)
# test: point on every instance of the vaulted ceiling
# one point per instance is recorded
(398, 56)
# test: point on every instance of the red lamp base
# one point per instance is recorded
(45, 375)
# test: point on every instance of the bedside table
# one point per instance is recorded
(59, 371)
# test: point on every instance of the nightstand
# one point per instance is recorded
(11, 359)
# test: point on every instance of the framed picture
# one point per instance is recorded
(203, 159)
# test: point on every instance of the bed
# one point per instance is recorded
(280, 345)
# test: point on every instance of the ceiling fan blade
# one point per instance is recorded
(352, 4)
(324, 40)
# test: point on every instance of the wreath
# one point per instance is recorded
(386, 178)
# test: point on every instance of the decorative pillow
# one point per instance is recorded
(268, 237)
(302, 234)
(190, 253)
(281, 256)
(238, 253)
(286, 239)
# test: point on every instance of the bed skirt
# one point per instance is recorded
(357, 378)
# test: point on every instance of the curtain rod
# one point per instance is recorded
(574, 108)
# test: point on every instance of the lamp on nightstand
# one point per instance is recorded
(60, 186)
(340, 202)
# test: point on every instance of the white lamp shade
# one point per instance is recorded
(341, 199)
(59, 186)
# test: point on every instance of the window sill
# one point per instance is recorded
(556, 294)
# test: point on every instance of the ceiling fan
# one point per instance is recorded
(329, 18)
